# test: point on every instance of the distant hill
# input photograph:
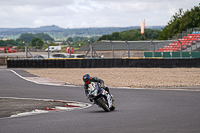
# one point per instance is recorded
(62, 34)
(42, 28)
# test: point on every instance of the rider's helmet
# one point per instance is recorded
(86, 78)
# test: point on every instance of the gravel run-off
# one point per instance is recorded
(126, 77)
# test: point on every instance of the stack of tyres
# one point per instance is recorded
(30, 63)
(53, 63)
(107, 63)
(78, 62)
(26, 63)
(49, 63)
(118, 62)
(41, 63)
(45, 64)
(71, 63)
(10, 63)
(62, 63)
(34, 63)
(57, 63)
(66, 64)
(100, 63)
(38, 63)
(132, 63)
(81, 63)
(84, 63)
(93, 63)
(75, 64)
(125, 63)
(15, 63)
(22, 63)
(88, 65)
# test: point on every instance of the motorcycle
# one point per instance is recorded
(100, 97)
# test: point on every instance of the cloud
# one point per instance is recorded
(89, 13)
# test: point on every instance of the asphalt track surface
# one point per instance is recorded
(139, 111)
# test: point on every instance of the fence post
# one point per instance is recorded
(91, 49)
(69, 48)
(112, 49)
(181, 47)
(26, 49)
(128, 48)
(154, 48)
(48, 48)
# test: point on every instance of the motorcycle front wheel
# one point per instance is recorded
(102, 103)
(113, 107)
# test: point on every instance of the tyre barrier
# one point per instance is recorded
(103, 63)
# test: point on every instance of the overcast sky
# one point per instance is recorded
(89, 13)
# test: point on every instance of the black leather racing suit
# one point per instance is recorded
(95, 79)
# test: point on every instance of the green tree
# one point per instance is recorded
(45, 37)
(115, 36)
(181, 21)
(131, 35)
(29, 36)
(37, 42)
(70, 39)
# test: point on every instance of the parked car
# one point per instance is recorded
(65, 55)
(42, 56)
(76, 56)
(53, 48)
(61, 55)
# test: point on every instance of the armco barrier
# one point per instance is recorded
(104, 63)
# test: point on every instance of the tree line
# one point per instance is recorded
(132, 35)
(40, 40)
(34, 40)
(181, 21)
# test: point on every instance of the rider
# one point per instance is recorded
(87, 80)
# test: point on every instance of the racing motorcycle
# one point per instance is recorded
(100, 97)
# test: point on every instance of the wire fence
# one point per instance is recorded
(120, 49)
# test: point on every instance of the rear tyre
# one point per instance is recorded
(101, 102)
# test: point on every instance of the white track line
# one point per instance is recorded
(38, 82)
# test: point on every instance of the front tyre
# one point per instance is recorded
(113, 107)
(102, 103)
